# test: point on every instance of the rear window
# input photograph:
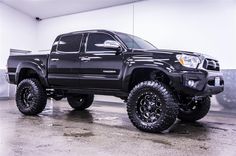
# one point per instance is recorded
(70, 43)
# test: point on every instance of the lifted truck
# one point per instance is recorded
(157, 85)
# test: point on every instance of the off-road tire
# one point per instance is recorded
(81, 101)
(36, 97)
(169, 106)
(201, 110)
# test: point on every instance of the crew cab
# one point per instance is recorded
(157, 85)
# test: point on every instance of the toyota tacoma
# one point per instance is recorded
(157, 85)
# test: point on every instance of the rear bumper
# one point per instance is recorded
(7, 77)
(10, 77)
(204, 82)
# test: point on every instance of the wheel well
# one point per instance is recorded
(145, 74)
(27, 73)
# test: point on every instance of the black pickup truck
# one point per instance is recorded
(157, 85)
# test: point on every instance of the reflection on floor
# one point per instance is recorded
(104, 129)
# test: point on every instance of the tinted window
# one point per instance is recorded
(97, 38)
(54, 46)
(70, 43)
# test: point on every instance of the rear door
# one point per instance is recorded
(64, 63)
(100, 67)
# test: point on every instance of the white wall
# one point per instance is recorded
(17, 31)
(206, 26)
(116, 18)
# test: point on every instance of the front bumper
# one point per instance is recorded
(204, 83)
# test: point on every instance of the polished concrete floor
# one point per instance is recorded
(104, 129)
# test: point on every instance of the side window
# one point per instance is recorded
(70, 43)
(97, 38)
(54, 46)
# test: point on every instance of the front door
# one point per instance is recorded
(100, 68)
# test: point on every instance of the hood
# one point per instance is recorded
(174, 52)
(202, 56)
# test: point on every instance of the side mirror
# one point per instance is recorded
(110, 44)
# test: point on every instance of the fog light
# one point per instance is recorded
(191, 83)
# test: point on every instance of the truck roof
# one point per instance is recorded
(87, 31)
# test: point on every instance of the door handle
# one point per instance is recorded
(54, 59)
(84, 58)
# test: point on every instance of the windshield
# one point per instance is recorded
(134, 42)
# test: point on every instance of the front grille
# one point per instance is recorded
(211, 64)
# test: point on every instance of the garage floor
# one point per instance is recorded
(104, 129)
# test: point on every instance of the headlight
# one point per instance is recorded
(188, 60)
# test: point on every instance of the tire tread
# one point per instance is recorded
(41, 97)
(171, 107)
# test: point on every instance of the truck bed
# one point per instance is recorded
(14, 62)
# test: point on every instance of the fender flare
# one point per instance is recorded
(40, 71)
(128, 72)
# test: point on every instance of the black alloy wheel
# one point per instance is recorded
(152, 107)
(194, 110)
(149, 107)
